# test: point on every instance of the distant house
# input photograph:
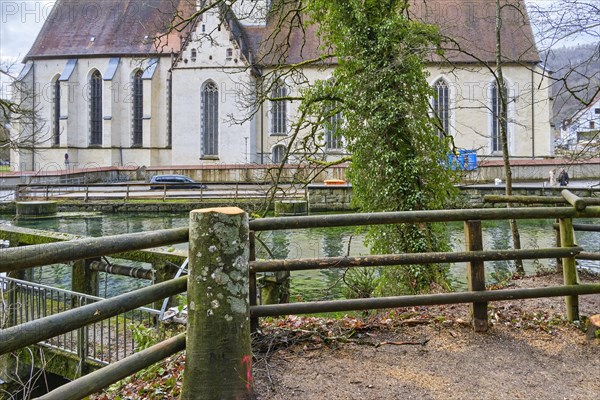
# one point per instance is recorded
(583, 128)
(111, 93)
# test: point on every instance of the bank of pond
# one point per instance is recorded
(301, 243)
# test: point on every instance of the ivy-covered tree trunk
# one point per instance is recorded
(398, 160)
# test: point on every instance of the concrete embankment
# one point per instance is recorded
(321, 198)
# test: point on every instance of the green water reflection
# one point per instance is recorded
(304, 243)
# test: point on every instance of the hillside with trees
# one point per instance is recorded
(576, 77)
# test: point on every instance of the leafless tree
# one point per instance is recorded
(20, 119)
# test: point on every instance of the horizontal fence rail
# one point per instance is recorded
(420, 300)
(491, 198)
(97, 380)
(26, 237)
(588, 255)
(123, 270)
(409, 258)
(413, 217)
(586, 227)
(105, 341)
(18, 258)
(32, 332)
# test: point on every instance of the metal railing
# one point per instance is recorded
(104, 342)
(158, 191)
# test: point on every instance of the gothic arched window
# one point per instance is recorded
(138, 109)
(56, 112)
(278, 153)
(96, 109)
(279, 109)
(441, 106)
(333, 141)
(498, 121)
(210, 119)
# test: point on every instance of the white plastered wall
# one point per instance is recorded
(116, 148)
(471, 115)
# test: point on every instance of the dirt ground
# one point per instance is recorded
(529, 352)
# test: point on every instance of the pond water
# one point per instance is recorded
(302, 243)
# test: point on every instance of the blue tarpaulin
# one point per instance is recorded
(465, 160)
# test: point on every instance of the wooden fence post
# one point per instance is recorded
(476, 274)
(569, 267)
(252, 284)
(82, 344)
(218, 352)
(163, 272)
(83, 278)
(558, 244)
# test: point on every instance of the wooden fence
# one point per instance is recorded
(221, 287)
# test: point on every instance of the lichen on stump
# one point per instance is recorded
(218, 351)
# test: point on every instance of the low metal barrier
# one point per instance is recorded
(158, 191)
(105, 342)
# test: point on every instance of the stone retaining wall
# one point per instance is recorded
(329, 197)
(473, 196)
(534, 170)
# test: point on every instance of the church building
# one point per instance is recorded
(134, 83)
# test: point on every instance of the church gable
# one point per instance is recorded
(217, 39)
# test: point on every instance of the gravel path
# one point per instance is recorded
(528, 353)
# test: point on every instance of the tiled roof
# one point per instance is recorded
(110, 27)
(126, 27)
(468, 28)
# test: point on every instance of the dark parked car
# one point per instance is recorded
(175, 182)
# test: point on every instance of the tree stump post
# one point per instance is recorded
(567, 239)
(218, 352)
(476, 274)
